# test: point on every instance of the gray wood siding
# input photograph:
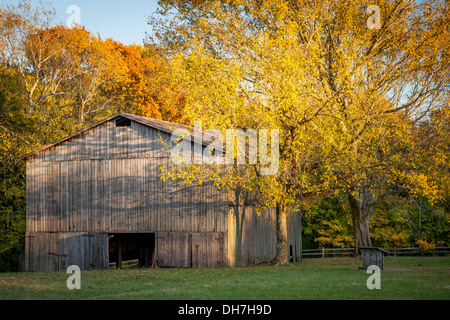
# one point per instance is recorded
(191, 250)
(295, 236)
(107, 141)
(55, 251)
(118, 195)
(252, 237)
(86, 184)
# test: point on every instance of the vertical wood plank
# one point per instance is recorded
(64, 199)
(30, 212)
(153, 196)
(108, 201)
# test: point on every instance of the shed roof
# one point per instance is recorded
(165, 126)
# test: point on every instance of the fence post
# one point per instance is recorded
(323, 252)
(395, 251)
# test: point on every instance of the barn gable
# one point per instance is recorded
(120, 136)
(111, 140)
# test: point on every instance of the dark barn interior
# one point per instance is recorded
(131, 246)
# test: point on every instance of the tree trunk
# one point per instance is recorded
(240, 200)
(361, 207)
(281, 257)
(239, 220)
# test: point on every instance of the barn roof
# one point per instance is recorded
(161, 125)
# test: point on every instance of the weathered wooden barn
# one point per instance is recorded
(96, 197)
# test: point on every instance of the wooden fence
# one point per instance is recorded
(395, 251)
(130, 264)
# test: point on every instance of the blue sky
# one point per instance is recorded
(122, 20)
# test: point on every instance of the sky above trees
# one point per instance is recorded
(124, 21)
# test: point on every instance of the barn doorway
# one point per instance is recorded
(126, 247)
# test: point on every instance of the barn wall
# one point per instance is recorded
(118, 195)
(102, 190)
(191, 250)
(295, 236)
(252, 237)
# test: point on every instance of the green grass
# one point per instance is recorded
(332, 278)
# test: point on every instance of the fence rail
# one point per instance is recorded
(333, 252)
(125, 264)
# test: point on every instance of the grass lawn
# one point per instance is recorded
(331, 278)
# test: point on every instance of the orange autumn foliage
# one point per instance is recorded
(128, 77)
(142, 87)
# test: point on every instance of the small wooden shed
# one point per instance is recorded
(96, 197)
(373, 256)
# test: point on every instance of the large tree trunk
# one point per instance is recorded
(240, 201)
(239, 220)
(361, 207)
(281, 257)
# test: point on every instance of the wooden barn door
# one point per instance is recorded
(52, 251)
(209, 250)
(86, 250)
(191, 250)
(98, 243)
(172, 249)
